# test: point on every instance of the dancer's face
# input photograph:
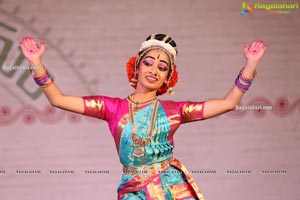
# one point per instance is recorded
(153, 70)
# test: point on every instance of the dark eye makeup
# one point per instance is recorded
(147, 63)
(163, 68)
(150, 63)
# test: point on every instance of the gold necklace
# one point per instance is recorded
(140, 142)
(137, 104)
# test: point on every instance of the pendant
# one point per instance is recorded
(138, 152)
(136, 107)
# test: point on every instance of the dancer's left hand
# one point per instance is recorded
(254, 53)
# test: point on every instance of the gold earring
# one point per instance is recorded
(133, 81)
(170, 91)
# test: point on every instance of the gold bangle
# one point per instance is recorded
(33, 74)
(47, 84)
(245, 78)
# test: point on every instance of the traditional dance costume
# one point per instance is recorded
(144, 140)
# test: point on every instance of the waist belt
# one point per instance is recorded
(145, 171)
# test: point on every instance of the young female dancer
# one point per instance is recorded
(142, 125)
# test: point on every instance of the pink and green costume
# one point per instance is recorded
(156, 174)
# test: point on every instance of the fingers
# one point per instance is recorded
(42, 44)
(22, 45)
(27, 42)
(29, 45)
(260, 44)
(257, 47)
(246, 47)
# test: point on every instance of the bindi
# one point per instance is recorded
(159, 52)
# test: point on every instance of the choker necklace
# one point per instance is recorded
(137, 104)
(140, 143)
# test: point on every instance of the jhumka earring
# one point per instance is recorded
(133, 80)
(170, 89)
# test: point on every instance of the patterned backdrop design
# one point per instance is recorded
(48, 153)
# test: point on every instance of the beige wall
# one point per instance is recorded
(88, 44)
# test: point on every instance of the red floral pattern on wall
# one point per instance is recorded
(30, 114)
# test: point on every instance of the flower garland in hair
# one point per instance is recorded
(163, 89)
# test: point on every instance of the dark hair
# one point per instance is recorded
(161, 37)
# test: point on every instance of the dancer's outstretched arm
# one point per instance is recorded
(33, 54)
(217, 107)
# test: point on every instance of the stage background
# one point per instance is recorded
(87, 46)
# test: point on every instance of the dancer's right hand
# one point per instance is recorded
(32, 51)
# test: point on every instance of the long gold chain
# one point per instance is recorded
(140, 142)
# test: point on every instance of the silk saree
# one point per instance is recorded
(153, 172)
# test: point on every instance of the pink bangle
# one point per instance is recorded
(42, 79)
(242, 82)
(48, 84)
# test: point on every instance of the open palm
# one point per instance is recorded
(31, 50)
(254, 52)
